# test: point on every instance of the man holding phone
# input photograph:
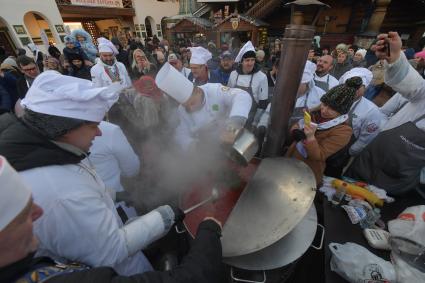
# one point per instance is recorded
(394, 159)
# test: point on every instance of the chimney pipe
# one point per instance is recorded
(296, 44)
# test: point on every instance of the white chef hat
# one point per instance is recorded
(200, 55)
(173, 83)
(246, 48)
(363, 73)
(65, 96)
(14, 194)
(106, 46)
(362, 52)
(308, 74)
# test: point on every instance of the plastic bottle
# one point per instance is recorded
(371, 218)
(338, 196)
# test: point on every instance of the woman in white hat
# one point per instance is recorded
(204, 106)
(359, 59)
(249, 77)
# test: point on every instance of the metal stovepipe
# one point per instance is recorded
(296, 44)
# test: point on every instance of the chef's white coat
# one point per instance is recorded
(100, 78)
(80, 222)
(265, 117)
(112, 157)
(220, 103)
(367, 121)
(313, 98)
(333, 82)
(185, 72)
(403, 78)
(393, 105)
(260, 85)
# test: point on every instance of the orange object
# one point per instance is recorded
(352, 190)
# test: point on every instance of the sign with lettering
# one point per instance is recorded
(98, 3)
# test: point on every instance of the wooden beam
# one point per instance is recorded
(96, 11)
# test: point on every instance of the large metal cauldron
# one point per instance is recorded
(271, 214)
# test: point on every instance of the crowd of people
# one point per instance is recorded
(75, 124)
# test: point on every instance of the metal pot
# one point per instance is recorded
(244, 148)
(275, 200)
(286, 250)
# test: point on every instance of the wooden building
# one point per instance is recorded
(241, 27)
(349, 21)
(190, 29)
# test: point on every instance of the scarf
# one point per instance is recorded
(112, 71)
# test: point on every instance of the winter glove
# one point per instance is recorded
(260, 133)
(178, 214)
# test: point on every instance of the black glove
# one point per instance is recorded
(298, 135)
(260, 133)
(178, 214)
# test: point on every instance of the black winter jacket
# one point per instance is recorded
(26, 149)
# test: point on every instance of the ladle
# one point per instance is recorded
(214, 196)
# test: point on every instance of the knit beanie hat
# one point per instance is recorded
(343, 47)
(50, 126)
(70, 39)
(340, 98)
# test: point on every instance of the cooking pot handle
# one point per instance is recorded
(178, 230)
(245, 280)
(322, 238)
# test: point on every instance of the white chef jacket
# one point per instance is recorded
(265, 117)
(112, 157)
(313, 98)
(220, 103)
(185, 72)
(333, 82)
(403, 78)
(80, 222)
(260, 85)
(393, 105)
(100, 78)
(367, 121)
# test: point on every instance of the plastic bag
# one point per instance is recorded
(410, 224)
(356, 264)
(408, 244)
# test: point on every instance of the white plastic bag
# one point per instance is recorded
(408, 244)
(356, 264)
